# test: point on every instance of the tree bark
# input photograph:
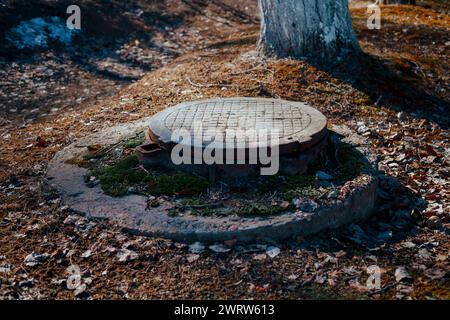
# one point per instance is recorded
(317, 29)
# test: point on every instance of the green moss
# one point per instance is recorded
(299, 181)
(305, 192)
(194, 201)
(299, 186)
(205, 212)
(265, 184)
(134, 141)
(115, 180)
(178, 183)
(259, 209)
(172, 213)
(351, 163)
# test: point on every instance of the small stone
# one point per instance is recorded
(320, 279)
(273, 251)
(362, 128)
(86, 254)
(435, 273)
(423, 255)
(126, 255)
(434, 222)
(35, 258)
(259, 257)
(192, 257)
(5, 268)
(219, 248)
(196, 247)
(401, 274)
(409, 245)
(26, 283)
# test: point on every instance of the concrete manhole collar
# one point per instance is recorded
(132, 213)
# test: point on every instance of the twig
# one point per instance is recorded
(419, 68)
(145, 170)
(205, 206)
(386, 288)
(253, 69)
(210, 85)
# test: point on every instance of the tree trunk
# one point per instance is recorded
(317, 29)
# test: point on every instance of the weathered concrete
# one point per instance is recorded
(131, 212)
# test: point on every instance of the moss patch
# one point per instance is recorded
(260, 209)
(134, 141)
(351, 163)
(177, 184)
(119, 172)
(117, 179)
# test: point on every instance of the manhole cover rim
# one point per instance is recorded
(299, 140)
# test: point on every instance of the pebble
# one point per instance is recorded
(86, 254)
(434, 222)
(192, 257)
(126, 255)
(26, 283)
(362, 128)
(34, 259)
(273, 251)
(401, 274)
(434, 273)
(219, 248)
(259, 257)
(196, 247)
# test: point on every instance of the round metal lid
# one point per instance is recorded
(296, 125)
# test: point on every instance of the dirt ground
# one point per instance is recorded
(397, 94)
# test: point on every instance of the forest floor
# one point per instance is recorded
(121, 69)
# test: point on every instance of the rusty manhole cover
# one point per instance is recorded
(296, 125)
